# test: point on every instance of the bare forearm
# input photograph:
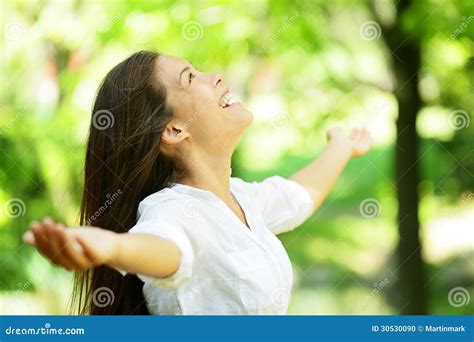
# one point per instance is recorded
(145, 254)
(79, 248)
(320, 175)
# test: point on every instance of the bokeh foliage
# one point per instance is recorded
(301, 66)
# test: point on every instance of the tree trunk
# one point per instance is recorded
(406, 63)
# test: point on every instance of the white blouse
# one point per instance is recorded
(226, 268)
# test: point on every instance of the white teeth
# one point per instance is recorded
(232, 99)
(227, 100)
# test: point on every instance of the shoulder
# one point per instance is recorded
(163, 203)
(161, 214)
(273, 191)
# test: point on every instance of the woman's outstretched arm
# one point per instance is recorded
(321, 175)
(88, 247)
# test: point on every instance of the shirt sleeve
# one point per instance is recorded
(284, 204)
(169, 229)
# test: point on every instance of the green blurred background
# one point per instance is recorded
(301, 67)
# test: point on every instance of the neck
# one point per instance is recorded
(209, 172)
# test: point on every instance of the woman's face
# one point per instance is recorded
(204, 110)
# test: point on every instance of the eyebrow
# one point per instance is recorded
(182, 71)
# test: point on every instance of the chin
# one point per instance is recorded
(248, 117)
(244, 115)
(245, 119)
(239, 119)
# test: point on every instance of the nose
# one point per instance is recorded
(217, 79)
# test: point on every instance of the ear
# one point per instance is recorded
(174, 133)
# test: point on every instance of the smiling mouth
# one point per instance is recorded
(227, 100)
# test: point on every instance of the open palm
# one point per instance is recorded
(359, 140)
(71, 248)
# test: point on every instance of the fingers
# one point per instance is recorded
(361, 141)
(29, 238)
(354, 133)
(72, 249)
(360, 135)
(56, 247)
(51, 239)
(365, 138)
(41, 239)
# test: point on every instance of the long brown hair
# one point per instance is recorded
(123, 165)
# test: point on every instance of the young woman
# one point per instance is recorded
(203, 242)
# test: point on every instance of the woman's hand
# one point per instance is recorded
(321, 174)
(72, 248)
(358, 142)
